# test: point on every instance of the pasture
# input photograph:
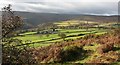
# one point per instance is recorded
(44, 40)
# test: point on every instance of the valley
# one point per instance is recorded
(60, 39)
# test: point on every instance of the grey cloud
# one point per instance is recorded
(68, 7)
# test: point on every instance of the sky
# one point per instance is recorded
(94, 7)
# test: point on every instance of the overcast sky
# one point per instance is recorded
(95, 7)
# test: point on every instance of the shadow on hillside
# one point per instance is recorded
(73, 54)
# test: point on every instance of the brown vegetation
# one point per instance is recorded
(55, 52)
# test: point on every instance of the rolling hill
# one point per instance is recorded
(32, 19)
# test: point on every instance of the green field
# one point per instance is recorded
(28, 33)
(44, 40)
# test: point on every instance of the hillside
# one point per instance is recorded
(33, 19)
(69, 41)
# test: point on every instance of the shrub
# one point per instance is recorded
(70, 53)
(62, 35)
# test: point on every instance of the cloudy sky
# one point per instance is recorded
(96, 7)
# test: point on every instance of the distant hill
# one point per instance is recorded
(33, 19)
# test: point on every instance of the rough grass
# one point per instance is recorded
(92, 47)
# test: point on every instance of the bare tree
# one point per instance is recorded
(9, 21)
(11, 53)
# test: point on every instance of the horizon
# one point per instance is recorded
(69, 13)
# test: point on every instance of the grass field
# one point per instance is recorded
(28, 33)
(67, 23)
(43, 40)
